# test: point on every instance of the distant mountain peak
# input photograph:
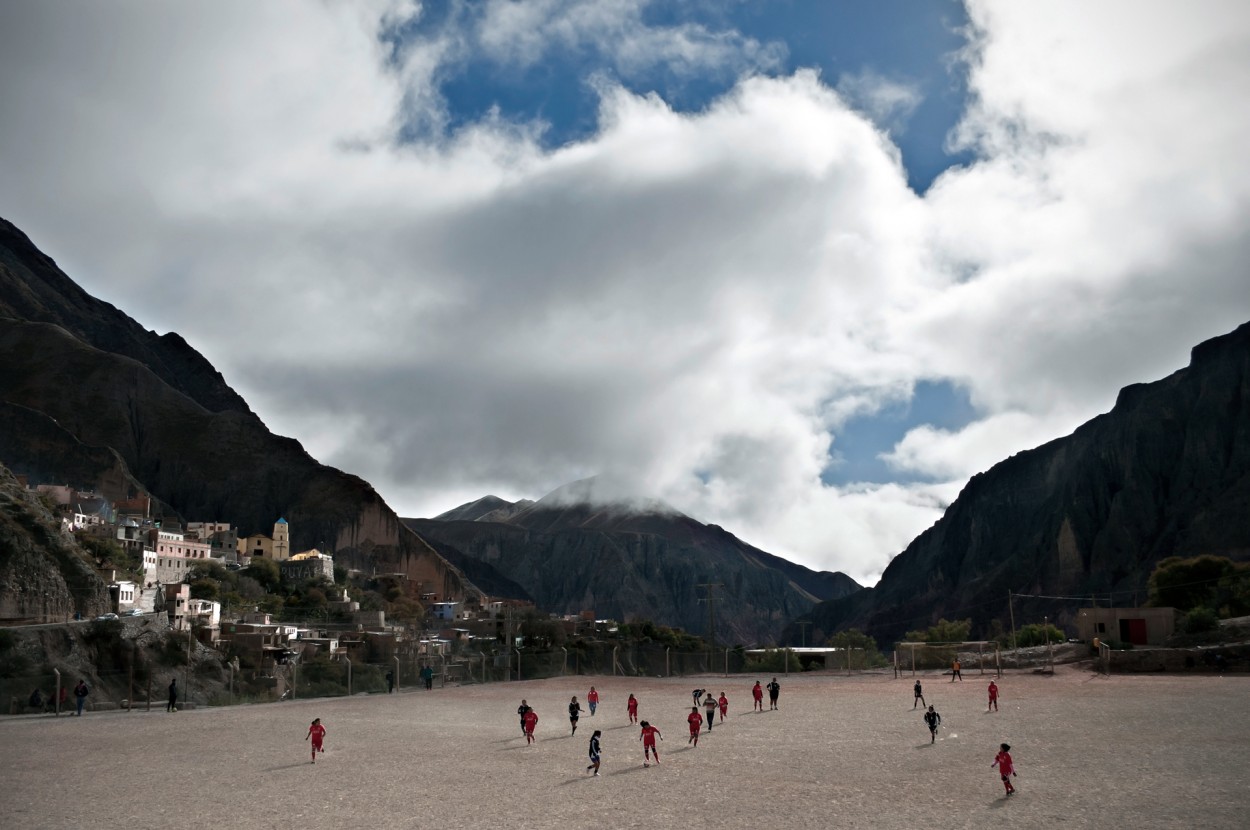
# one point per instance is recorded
(603, 491)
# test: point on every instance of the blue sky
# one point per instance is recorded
(719, 251)
(914, 44)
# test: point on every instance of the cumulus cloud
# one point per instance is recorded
(888, 102)
(691, 303)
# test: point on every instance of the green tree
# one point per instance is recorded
(205, 589)
(1035, 634)
(1215, 582)
(857, 641)
(265, 571)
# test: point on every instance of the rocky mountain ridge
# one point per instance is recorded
(1165, 472)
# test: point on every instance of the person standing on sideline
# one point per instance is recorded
(932, 718)
(1006, 768)
(724, 706)
(758, 693)
(390, 681)
(592, 700)
(427, 674)
(955, 671)
(80, 695)
(774, 690)
(696, 721)
(575, 712)
(648, 736)
(317, 733)
(594, 753)
(919, 695)
(522, 711)
(993, 697)
(631, 706)
(531, 721)
(172, 706)
(709, 710)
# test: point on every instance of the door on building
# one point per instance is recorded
(1133, 631)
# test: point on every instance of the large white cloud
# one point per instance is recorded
(688, 301)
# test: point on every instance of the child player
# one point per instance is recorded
(695, 720)
(594, 753)
(918, 696)
(993, 704)
(933, 719)
(1005, 767)
(631, 706)
(520, 711)
(575, 712)
(757, 692)
(592, 700)
(724, 706)
(531, 720)
(317, 733)
(648, 736)
(709, 709)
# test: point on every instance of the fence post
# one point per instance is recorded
(726, 662)
(56, 696)
(348, 660)
(518, 664)
(149, 709)
(397, 672)
(614, 663)
(565, 668)
(130, 680)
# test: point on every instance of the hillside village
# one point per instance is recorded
(162, 577)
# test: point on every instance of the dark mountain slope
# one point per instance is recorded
(182, 439)
(1166, 472)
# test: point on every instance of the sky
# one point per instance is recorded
(798, 269)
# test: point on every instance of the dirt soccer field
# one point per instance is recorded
(1139, 752)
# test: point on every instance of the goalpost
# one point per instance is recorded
(931, 656)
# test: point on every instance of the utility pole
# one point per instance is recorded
(803, 633)
(711, 617)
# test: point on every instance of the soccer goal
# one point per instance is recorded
(972, 655)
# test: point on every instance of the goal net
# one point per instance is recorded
(973, 656)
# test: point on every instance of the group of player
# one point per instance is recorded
(649, 734)
(1006, 767)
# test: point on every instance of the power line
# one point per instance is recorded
(711, 610)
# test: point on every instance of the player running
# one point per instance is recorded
(1006, 768)
(575, 712)
(774, 690)
(696, 721)
(531, 721)
(594, 753)
(648, 736)
(758, 693)
(521, 712)
(724, 706)
(919, 695)
(993, 697)
(317, 733)
(631, 706)
(592, 700)
(934, 720)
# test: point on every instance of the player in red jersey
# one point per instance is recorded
(648, 736)
(993, 704)
(724, 706)
(758, 694)
(1005, 767)
(631, 706)
(531, 720)
(592, 700)
(317, 733)
(696, 721)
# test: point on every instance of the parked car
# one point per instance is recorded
(133, 612)
(109, 616)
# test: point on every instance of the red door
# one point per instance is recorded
(1137, 632)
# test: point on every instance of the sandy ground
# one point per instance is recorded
(1140, 752)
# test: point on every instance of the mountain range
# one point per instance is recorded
(577, 549)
